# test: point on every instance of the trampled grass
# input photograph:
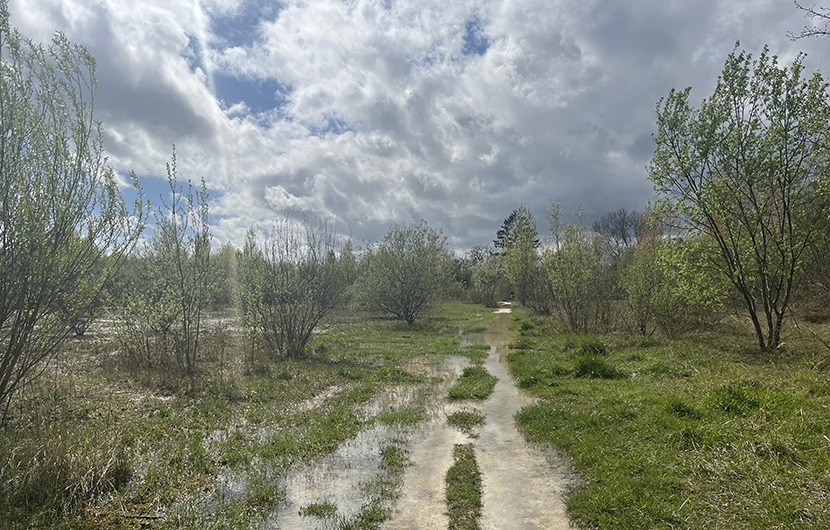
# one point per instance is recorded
(702, 432)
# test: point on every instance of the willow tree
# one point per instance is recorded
(290, 283)
(743, 171)
(405, 272)
(63, 223)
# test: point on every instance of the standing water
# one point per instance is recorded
(523, 484)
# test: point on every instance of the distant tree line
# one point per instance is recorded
(740, 224)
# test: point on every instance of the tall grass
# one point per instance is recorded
(49, 472)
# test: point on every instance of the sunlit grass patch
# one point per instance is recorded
(696, 436)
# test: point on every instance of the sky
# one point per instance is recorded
(374, 112)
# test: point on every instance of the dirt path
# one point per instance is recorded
(523, 484)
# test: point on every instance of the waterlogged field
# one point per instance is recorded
(91, 445)
(698, 432)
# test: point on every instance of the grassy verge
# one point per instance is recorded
(463, 490)
(698, 432)
(93, 445)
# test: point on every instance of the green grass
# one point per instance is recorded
(101, 446)
(475, 352)
(322, 510)
(701, 432)
(466, 421)
(463, 491)
(474, 383)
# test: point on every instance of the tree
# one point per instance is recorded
(290, 283)
(521, 259)
(579, 282)
(178, 276)
(405, 272)
(487, 279)
(64, 227)
(669, 285)
(227, 274)
(620, 229)
(820, 15)
(348, 263)
(503, 233)
(742, 170)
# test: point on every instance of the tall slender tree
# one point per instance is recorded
(63, 224)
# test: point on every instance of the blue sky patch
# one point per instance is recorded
(260, 96)
(241, 28)
(475, 42)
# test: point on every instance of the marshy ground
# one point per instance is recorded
(355, 436)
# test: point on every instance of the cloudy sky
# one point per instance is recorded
(372, 112)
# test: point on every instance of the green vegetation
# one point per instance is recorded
(474, 383)
(170, 417)
(94, 447)
(464, 490)
(64, 228)
(466, 420)
(747, 172)
(702, 433)
(519, 254)
(475, 352)
(290, 285)
(405, 272)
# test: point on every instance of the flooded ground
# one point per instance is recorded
(344, 479)
(523, 485)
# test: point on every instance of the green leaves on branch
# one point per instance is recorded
(174, 283)
(745, 171)
(64, 227)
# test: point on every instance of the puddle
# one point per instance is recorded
(339, 479)
(422, 503)
(336, 479)
(523, 484)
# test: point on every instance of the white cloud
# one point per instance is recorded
(377, 115)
